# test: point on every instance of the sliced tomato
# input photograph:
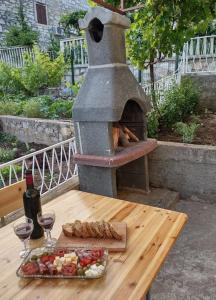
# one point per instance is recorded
(52, 258)
(85, 261)
(44, 259)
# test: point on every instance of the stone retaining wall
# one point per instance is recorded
(39, 131)
(188, 169)
(206, 82)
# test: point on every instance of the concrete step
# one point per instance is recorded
(158, 197)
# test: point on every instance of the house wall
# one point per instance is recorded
(55, 8)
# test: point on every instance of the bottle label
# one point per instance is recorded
(29, 179)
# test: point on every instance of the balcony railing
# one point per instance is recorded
(78, 47)
(200, 55)
(13, 56)
(51, 167)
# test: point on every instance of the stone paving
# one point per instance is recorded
(189, 272)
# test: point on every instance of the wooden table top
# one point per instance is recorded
(151, 234)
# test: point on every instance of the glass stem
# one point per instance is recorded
(48, 235)
(25, 244)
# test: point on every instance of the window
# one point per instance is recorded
(41, 12)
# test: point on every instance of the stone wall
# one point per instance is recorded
(39, 131)
(206, 82)
(55, 8)
(188, 169)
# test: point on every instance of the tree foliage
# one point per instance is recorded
(70, 21)
(161, 27)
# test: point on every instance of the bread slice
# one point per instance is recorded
(95, 227)
(85, 232)
(101, 229)
(78, 229)
(90, 230)
(68, 230)
(114, 233)
(108, 232)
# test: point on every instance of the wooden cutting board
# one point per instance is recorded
(111, 244)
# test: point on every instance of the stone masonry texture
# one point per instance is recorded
(188, 169)
(39, 131)
(206, 83)
(55, 8)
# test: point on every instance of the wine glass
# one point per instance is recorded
(23, 229)
(46, 219)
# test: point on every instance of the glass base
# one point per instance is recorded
(50, 242)
(23, 253)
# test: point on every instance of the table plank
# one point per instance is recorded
(151, 234)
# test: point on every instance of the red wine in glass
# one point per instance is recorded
(46, 219)
(23, 229)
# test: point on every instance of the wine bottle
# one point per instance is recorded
(32, 205)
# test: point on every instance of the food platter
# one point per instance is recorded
(64, 262)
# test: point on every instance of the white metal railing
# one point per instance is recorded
(161, 86)
(200, 55)
(13, 56)
(78, 46)
(165, 83)
(51, 167)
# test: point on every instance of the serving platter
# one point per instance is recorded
(92, 261)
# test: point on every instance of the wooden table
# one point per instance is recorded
(151, 234)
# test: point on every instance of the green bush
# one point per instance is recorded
(33, 109)
(10, 108)
(6, 155)
(21, 34)
(61, 109)
(7, 138)
(18, 36)
(152, 124)
(41, 72)
(38, 73)
(180, 102)
(187, 131)
(6, 171)
(8, 82)
(13, 98)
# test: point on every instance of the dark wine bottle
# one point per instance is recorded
(32, 205)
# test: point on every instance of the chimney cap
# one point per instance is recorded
(105, 16)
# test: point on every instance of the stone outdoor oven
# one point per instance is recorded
(110, 103)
